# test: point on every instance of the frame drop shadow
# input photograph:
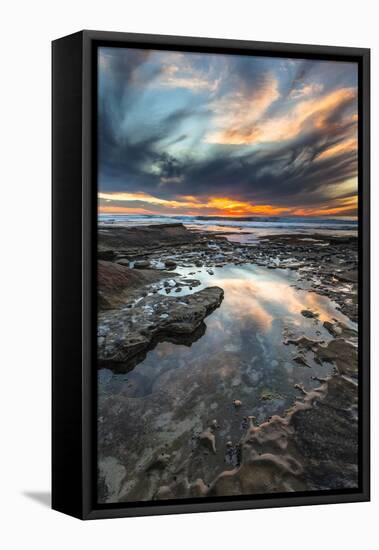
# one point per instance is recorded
(41, 497)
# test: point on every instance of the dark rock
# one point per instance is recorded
(348, 276)
(129, 332)
(107, 255)
(310, 314)
(116, 283)
(146, 237)
(300, 360)
(123, 261)
(170, 264)
(208, 439)
(141, 264)
(314, 447)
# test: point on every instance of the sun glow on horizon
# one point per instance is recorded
(146, 204)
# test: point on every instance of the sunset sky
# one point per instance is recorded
(209, 134)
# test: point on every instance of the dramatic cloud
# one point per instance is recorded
(189, 133)
(238, 113)
(306, 90)
(182, 75)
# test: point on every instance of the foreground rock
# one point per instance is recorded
(127, 333)
(314, 446)
(117, 283)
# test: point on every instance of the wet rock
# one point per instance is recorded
(145, 237)
(159, 463)
(332, 328)
(300, 360)
(348, 276)
(189, 282)
(309, 314)
(123, 261)
(107, 255)
(117, 283)
(301, 388)
(208, 439)
(141, 264)
(164, 492)
(198, 488)
(314, 447)
(341, 353)
(340, 330)
(268, 395)
(303, 342)
(251, 420)
(130, 332)
(170, 264)
(233, 454)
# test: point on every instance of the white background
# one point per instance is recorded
(26, 31)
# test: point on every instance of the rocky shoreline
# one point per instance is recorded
(131, 331)
(146, 298)
(327, 265)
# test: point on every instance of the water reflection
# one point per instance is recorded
(243, 342)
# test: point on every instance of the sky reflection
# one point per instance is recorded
(244, 341)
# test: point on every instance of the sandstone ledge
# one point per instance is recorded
(127, 333)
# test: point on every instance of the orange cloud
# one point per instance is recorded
(347, 146)
(145, 197)
(103, 209)
(214, 205)
(218, 206)
(340, 206)
(182, 75)
(306, 115)
(237, 112)
(239, 208)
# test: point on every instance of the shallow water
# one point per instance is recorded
(244, 338)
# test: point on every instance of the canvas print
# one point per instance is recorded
(227, 309)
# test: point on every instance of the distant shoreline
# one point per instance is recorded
(244, 227)
(238, 219)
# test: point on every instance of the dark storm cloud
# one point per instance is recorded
(123, 159)
(286, 175)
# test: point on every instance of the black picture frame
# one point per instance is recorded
(74, 274)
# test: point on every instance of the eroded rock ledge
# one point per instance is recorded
(146, 238)
(117, 283)
(125, 334)
(314, 446)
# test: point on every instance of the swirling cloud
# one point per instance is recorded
(240, 134)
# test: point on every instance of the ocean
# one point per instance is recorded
(247, 228)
